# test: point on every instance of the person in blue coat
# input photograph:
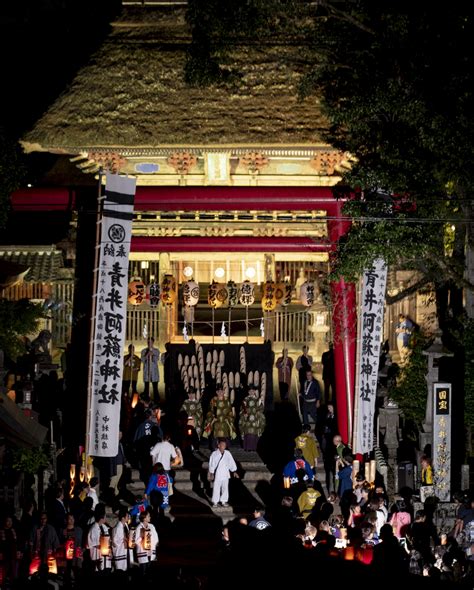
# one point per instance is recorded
(298, 463)
(344, 475)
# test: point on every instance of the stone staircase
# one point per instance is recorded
(190, 533)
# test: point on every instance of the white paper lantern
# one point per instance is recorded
(250, 378)
(190, 293)
(215, 356)
(231, 379)
(190, 371)
(208, 358)
(186, 361)
(195, 373)
(237, 380)
(247, 293)
(222, 358)
(193, 360)
(180, 360)
(232, 396)
(213, 370)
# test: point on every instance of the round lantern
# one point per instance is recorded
(232, 294)
(136, 292)
(283, 293)
(308, 293)
(153, 294)
(269, 296)
(212, 294)
(168, 290)
(247, 296)
(190, 293)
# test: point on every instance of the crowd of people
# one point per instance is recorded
(318, 504)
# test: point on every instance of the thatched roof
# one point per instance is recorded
(133, 94)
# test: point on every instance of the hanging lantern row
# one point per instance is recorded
(219, 294)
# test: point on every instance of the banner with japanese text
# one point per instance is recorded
(110, 316)
(370, 336)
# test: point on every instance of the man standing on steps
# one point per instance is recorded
(221, 466)
(310, 398)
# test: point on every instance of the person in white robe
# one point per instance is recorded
(98, 538)
(146, 540)
(221, 466)
(119, 535)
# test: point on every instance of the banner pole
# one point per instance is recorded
(357, 364)
(100, 200)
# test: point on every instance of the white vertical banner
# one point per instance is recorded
(110, 316)
(441, 451)
(371, 311)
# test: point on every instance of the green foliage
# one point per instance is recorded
(30, 460)
(411, 390)
(17, 319)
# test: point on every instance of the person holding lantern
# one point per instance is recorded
(131, 367)
(151, 374)
(252, 420)
(71, 538)
(120, 534)
(146, 540)
(98, 541)
(44, 540)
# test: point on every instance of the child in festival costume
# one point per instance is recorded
(159, 487)
(141, 504)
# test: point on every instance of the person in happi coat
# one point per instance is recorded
(252, 420)
(120, 534)
(221, 466)
(159, 487)
(193, 409)
(146, 541)
(296, 464)
(220, 418)
(150, 357)
(99, 533)
(131, 367)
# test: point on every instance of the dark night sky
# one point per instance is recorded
(43, 43)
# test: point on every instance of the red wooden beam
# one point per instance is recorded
(222, 244)
(200, 198)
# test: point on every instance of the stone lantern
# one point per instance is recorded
(434, 352)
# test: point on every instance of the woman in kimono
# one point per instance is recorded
(146, 540)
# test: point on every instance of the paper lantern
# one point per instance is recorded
(208, 358)
(193, 359)
(256, 378)
(232, 294)
(186, 361)
(250, 378)
(237, 379)
(269, 296)
(104, 544)
(190, 293)
(217, 294)
(231, 379)
(168, 290)
(215, 356)
(195, 373)
(232, 396)
(190, 371)
(153, 292)
(180, 360)
(246, 295)
(222, 358)
(283, 293)
(136, 292)
(308, 293)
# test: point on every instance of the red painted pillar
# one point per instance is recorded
(344, 320)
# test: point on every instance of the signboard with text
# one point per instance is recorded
(442, 440)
